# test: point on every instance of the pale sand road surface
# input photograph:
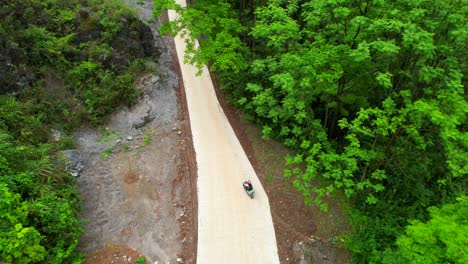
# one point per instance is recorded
(232, 228)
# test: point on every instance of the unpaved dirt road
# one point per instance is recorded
(232, 228)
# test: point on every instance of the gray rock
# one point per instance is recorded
(148, 118)
(129, 138)
(72, 156)
(74, 164)
(74, 173)
(79, 166)
(14, 74)
(89, 27)
(56, 135)
(118, 59)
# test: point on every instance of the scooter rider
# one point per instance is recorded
(247, 185)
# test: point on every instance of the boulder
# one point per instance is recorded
(74, 164)
(89, 27)
(136, 40)
(14, 75)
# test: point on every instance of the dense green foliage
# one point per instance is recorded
(38, 205)
(76, 43)
(441, 240)
(62, 63)
(370, 94)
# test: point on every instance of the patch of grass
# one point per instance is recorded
(140, 260)
(152, 67)
(108, 135)
(269, 177)
(125, 147)
(105, 134)
(140, 2)
(106, 153)
(147, 136)
(67, 142)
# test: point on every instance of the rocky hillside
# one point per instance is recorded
(62, 64)
(31, 39)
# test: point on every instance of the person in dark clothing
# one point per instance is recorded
(247, 185)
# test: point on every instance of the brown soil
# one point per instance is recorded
(131, 176)
(187, 170)
(115, 254)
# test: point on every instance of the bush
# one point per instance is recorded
(140, 260)
(39, 206)
(442, 239)
(17, 241)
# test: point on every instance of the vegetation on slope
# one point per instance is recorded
(369, 94)
(61, 63)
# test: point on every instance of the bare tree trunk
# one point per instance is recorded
(337, 112)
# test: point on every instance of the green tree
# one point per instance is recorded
(442, 239)
(38, 206)
(219, 28)
(19, 243)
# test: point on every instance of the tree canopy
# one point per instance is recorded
(442, 239)
(370, 94)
